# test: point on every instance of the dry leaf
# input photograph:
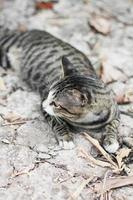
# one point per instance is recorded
(110, 73)
(94, 161)
(100, 24)
(117, 167)
(126, 96)
(2, 84)
(75, 195)
(12, 117)
(122, 153)
(44, 5)
(14, 123)
(26, 170)
(100, 148)
(83, 154)
(120, 98)
(113, 183)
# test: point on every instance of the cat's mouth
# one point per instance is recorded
(66, 111)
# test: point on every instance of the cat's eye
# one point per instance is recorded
(54, 104)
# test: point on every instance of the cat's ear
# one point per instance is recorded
(68, 68)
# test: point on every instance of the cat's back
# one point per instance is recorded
(41, 55)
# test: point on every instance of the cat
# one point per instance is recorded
(74, 99)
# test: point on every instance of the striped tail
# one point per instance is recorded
(4, 62)
(7, 39)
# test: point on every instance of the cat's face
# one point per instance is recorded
(72, 99)
(68, 103)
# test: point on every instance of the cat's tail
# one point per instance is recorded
(7, 39)
(4, 35)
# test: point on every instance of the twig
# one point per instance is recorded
(126, 113)
(2, 116)
(14, 123)
(94, 161)
(113, 183)
(122, 153)
(104, 153)
(75, 195)
(109, 194)
(104, 181)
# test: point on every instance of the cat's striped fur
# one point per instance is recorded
(39, 57)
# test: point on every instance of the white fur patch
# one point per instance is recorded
(112, 148)
(14, 56)
(46, 104)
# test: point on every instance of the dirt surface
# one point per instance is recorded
(32, 166)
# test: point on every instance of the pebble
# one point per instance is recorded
(43, 156)
(41, 148)
(5, 141)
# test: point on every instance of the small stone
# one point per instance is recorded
(53, 153)
(41, 148)
(50, 146)
(43, 156)
(100, 24)
(5, 141)
(56, 148)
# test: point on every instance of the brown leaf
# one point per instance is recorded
(26, 170)
(12, 117)
(100, 24)
(113, 183)
(116, 167)
(44, 5)
(122, 153)
(78, 191)
(120, 98)
(125, 95)
(103, 152)
(110, 73)
(93, 161)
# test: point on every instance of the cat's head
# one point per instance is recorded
(72, 98)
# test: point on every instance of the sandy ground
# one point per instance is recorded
(32, 166)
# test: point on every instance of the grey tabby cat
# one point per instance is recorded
(74, 99)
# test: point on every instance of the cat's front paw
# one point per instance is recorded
(66, 141)
(111, 145)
